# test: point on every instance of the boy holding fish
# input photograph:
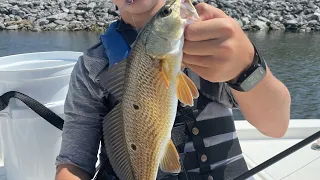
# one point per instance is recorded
(222, 63)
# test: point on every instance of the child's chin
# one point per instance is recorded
(141, 6)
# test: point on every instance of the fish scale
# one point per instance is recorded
(150, 105)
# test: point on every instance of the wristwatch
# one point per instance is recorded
(249, 78)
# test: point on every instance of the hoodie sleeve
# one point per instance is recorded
(84, 111)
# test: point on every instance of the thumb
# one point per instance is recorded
(207, 11)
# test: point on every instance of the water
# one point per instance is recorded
(294, 58)
(12, 42)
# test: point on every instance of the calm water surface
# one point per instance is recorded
(294, 58)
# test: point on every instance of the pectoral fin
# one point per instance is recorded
(193, 88)
(170, 161)
(186, 89)
(165, 73)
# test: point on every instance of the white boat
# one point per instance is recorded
(302, 164)
(56, 68)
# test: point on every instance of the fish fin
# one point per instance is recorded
(193, 88)
(170, 161)
(114, 79)
(164, 72)
(183, 91)
(114, 139)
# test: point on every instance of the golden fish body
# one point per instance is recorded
(137, 131)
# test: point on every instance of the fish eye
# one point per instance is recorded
(166, 12)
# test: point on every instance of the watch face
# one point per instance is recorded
(253, 79)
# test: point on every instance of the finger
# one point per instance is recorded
(205, 48)
(201, 71)
(203, 61)
(207, 11)
(206, 73)
(210, 29)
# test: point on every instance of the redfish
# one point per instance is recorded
(149, 84)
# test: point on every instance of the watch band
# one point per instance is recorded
(249, 78)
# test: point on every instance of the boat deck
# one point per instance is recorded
(302, 164)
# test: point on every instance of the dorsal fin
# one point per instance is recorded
(114, 79)
(115, 143)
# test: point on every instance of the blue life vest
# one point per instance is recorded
(116, 45)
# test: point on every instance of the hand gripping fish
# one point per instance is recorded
(148, 84)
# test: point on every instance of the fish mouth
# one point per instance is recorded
(188, 12)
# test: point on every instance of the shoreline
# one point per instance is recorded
(96, 15)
